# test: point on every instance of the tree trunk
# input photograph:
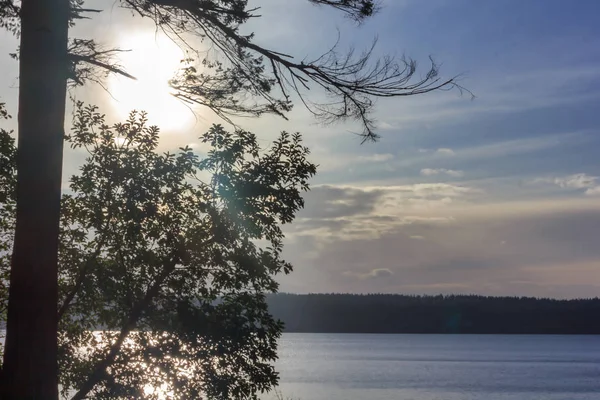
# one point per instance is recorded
(30, 359)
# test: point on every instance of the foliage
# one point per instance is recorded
(9, 15)
(8, 178)
(168, 265)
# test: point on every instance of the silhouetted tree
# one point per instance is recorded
(47, 60)
(8, 181)
(29, 368)
(165, 264)
(387, 313)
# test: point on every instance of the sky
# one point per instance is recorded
(497, 195)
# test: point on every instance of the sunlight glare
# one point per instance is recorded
(153, 60)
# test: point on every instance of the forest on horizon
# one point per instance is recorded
(468, 314)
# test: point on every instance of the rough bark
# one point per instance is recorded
(30, 359)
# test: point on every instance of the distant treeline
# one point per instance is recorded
(379, 313)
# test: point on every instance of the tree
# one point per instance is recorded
(8, 181)
(470, 314)
(30, 351)
(167, 265)
(47, 60)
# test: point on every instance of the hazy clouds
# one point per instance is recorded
(496, 195)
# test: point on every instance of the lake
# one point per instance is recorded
(439, 367)
(317, 366)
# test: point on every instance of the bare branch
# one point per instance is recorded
(77, 11)
(357, 10)
(242, 86)
(92, 62)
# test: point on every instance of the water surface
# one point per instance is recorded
(439, 367)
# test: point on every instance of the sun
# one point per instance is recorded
(153, 59)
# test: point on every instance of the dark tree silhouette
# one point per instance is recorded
(252, 80)
(160, 272)
(8, 182)
(388, 313)
(355, 9)
(29, 368)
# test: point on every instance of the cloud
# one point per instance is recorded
(494, 150)
(334, 213)
(518, 146)
(504, 94)
(440, 171)
(328, 201)
(593, 191)
(442, 151)
(553, 251)
(427, 191)
(445, 151)
(376, 157)
(385, 125)
(575, 181)
(373, 274)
